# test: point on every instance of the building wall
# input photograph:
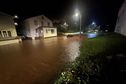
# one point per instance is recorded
(9, 42)
(7, 24)
(26, 30)
(49, 32)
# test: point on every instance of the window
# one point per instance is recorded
(48, 23)
(42, 18)
(36, 30)
(35, 22)
(9, 33)
(4, 33)
(46, 30)
(52, 31)
(0, 34)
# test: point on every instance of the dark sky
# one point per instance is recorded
(101, 11)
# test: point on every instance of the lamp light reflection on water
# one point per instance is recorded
(72, 50)
(92, 35)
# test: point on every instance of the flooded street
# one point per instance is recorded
(36, 61)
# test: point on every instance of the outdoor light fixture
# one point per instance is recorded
(78, 15)
(15, 23)
(93, 23)
(15, 16)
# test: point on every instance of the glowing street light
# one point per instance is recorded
(93, 23)
(78, 15)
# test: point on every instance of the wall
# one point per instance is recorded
(9, 42)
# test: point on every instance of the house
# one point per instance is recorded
(121, 21)
(8, 34)
(39, 26)
(7, 27)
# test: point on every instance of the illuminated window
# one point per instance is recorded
(52, 31)
(9, 33)
(35, 22)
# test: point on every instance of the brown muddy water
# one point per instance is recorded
(36, 61)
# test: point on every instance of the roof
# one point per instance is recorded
(37, 16)
(2, 13)
(46, 27)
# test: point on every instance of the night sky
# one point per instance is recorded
(103, 12)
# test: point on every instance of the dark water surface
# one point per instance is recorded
(37, 61)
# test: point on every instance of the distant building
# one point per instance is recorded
(121, 21)
(7, 27)
(39, 26)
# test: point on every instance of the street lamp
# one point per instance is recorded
(93, 23)
(16, 17)
(78, 15)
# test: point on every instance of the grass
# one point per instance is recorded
(102, 61)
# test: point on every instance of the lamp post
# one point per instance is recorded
(78, 15)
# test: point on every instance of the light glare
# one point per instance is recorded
(76, 14)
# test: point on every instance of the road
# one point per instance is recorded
(36, 61)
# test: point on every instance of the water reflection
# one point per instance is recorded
(92, 35)
(37, 61)
(72, 50)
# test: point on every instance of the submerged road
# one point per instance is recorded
(36, 61)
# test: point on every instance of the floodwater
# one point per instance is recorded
(36, 61)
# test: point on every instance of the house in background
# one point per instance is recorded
(39, 26)
(7, 27)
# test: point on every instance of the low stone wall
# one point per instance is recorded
(75, 33)
(10, 41)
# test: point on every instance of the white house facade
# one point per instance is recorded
(7, 27)
(39, 26)
(121, 21)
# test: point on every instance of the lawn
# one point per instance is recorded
(102, 60)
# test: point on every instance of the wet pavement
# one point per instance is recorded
(36, 61)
